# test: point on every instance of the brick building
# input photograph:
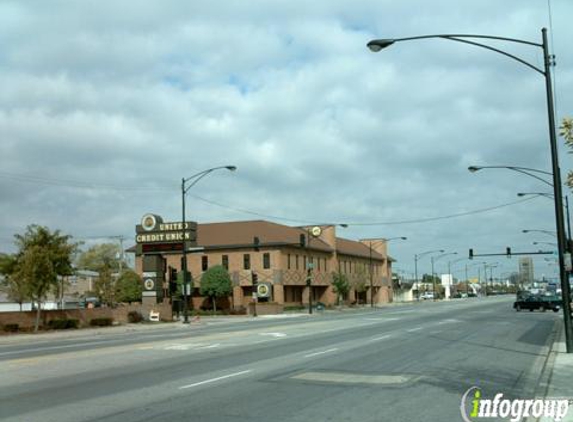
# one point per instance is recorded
(280, 261)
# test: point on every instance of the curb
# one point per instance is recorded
(544, 381)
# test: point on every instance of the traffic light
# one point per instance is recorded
(254, 278)
(256, 243)
(302, 240)
(508, 252)
(471, 254)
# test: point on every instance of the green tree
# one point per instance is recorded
(105, 286)
(42, 257)
(340, 285)
(99, 256)
(566, 131)
(58, 247)
(128, 287)
(13, 286)
(37, 272)
(216, 283)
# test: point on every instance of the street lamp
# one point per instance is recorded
(551, 197)
(450, 268)
(370, 243)
(491, 267)
(184, 189)
(467, 278)
(434, 259)
(523, 170)
(547, 232)
(377, 45)
(416, 258)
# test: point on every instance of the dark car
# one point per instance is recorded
(543, 303)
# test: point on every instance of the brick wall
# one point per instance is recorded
(26, 320)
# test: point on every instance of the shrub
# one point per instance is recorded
(101, 322)
(134, 317)
(11, 328)
(63, 324)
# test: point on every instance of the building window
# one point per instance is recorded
(266, 261)
(225, 261)
(288, 261)
(246, 261)
(204, 263)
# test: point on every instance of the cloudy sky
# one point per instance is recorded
(106, 105)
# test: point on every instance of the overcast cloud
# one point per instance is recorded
(106, 105)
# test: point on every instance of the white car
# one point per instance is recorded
(427, 295)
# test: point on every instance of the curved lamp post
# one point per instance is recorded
(472, 39)
(523, 170)
(434, 259)
(416, 258)
(551, 197)
(547, 232)
(186, 184)
(373, 242)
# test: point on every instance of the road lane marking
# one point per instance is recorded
(448, 321)
(211, 346)
(236, 374)
(321, 353)
(349, 378)
(381, 338)
(381, 319)
(273, 334)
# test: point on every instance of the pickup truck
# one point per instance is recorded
(543, 303)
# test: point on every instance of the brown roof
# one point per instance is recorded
(242, 234)
(354, 248)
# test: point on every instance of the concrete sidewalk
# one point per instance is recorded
(557, 378)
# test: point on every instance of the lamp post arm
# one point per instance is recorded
(460, 38)
(450, 36)
(523, 170)
(488, 47)
(202, 174)
(527, 172)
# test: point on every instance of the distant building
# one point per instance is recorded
(526, 270)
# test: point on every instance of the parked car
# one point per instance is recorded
(533, 302)
(427, 295)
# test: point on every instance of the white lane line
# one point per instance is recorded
(381, 337)
(448, 321)
(211, 346)
(381, 319)
(236, 374)
(273, 334)
(411, 330)
(321, 353)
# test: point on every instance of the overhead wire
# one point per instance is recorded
(79, 184)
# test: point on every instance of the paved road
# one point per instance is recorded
(409, 363)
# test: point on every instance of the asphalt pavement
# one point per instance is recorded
(400, 363)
